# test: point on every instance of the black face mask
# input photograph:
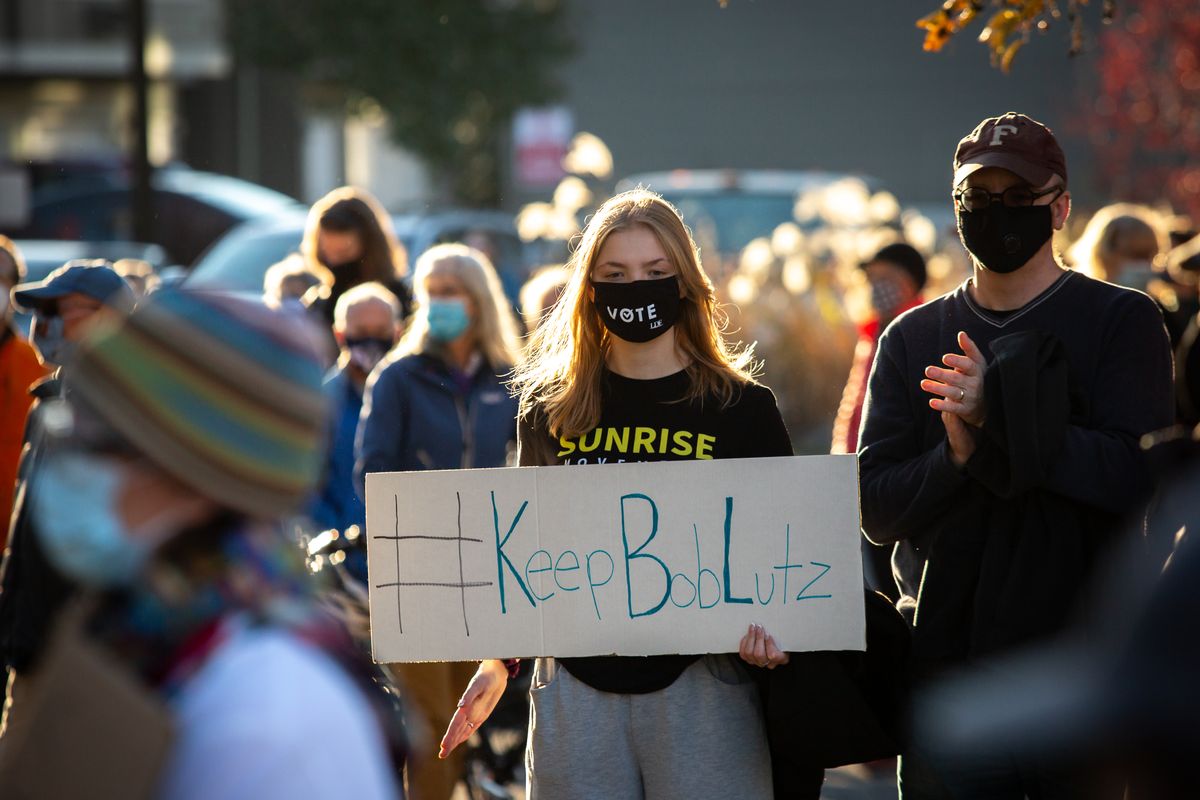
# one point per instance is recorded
(1003, 239)
(640, 310)
(347, 273)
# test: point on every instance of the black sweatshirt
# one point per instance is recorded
(997, 551)
(647, 420)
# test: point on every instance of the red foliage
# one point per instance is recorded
(1144, 119)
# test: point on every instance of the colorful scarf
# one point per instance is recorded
(168, 625)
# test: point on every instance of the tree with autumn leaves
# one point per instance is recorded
(1142, 115)
(1009, 23)
(1143, 120)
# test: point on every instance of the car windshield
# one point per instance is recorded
(239, 262)
(732, 220)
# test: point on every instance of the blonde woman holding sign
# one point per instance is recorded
(634, 347)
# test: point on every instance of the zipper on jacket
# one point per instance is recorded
(464, 421)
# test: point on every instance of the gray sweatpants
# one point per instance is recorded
(700, 737)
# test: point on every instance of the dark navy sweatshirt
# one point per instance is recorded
(998, 550)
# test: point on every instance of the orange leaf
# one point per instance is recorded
(1007, 59)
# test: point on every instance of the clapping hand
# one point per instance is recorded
(958, 395)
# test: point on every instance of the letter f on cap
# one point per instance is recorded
(998, 133)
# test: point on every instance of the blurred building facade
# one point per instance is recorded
(66, 102)
(676, 84)
(63, 65)
(836, 86)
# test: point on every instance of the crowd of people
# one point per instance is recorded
(176, 456)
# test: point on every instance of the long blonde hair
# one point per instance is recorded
(495, 327)
(566, 354)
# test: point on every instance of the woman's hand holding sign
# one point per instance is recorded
(758, 648)
(476, 705)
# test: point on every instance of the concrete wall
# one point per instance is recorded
(839, 85)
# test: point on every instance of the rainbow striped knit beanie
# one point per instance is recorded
(219, 390)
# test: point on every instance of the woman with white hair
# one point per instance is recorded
(439, 402)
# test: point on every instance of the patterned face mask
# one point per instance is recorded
(886, 297)
(367, 352)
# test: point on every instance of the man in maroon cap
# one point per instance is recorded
(999, 445)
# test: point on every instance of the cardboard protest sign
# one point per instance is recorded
(626, 559)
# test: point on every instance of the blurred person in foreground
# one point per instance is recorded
(896, 275)
(439, 402)
(999, 447)
(190, 429)
(1122, 690)
(71, 300)
(367, 324)
(19, 370)
(350, 237)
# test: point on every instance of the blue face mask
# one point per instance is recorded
(74, 502)
(447, 319)
(49, 340)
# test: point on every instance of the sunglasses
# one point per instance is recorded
(976, 198)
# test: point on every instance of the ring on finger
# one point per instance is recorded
(470, 724)
(962, 394)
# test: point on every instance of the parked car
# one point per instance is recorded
(240, 259)
(192, 209)
(43, 256)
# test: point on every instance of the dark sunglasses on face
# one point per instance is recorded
(976, 198)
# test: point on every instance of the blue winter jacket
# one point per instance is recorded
(415, 417)
(336, 503)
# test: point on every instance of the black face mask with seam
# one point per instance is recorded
(1003, 239)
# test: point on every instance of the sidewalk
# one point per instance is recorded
(845, 783)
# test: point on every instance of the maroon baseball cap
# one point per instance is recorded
(1013, 142)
